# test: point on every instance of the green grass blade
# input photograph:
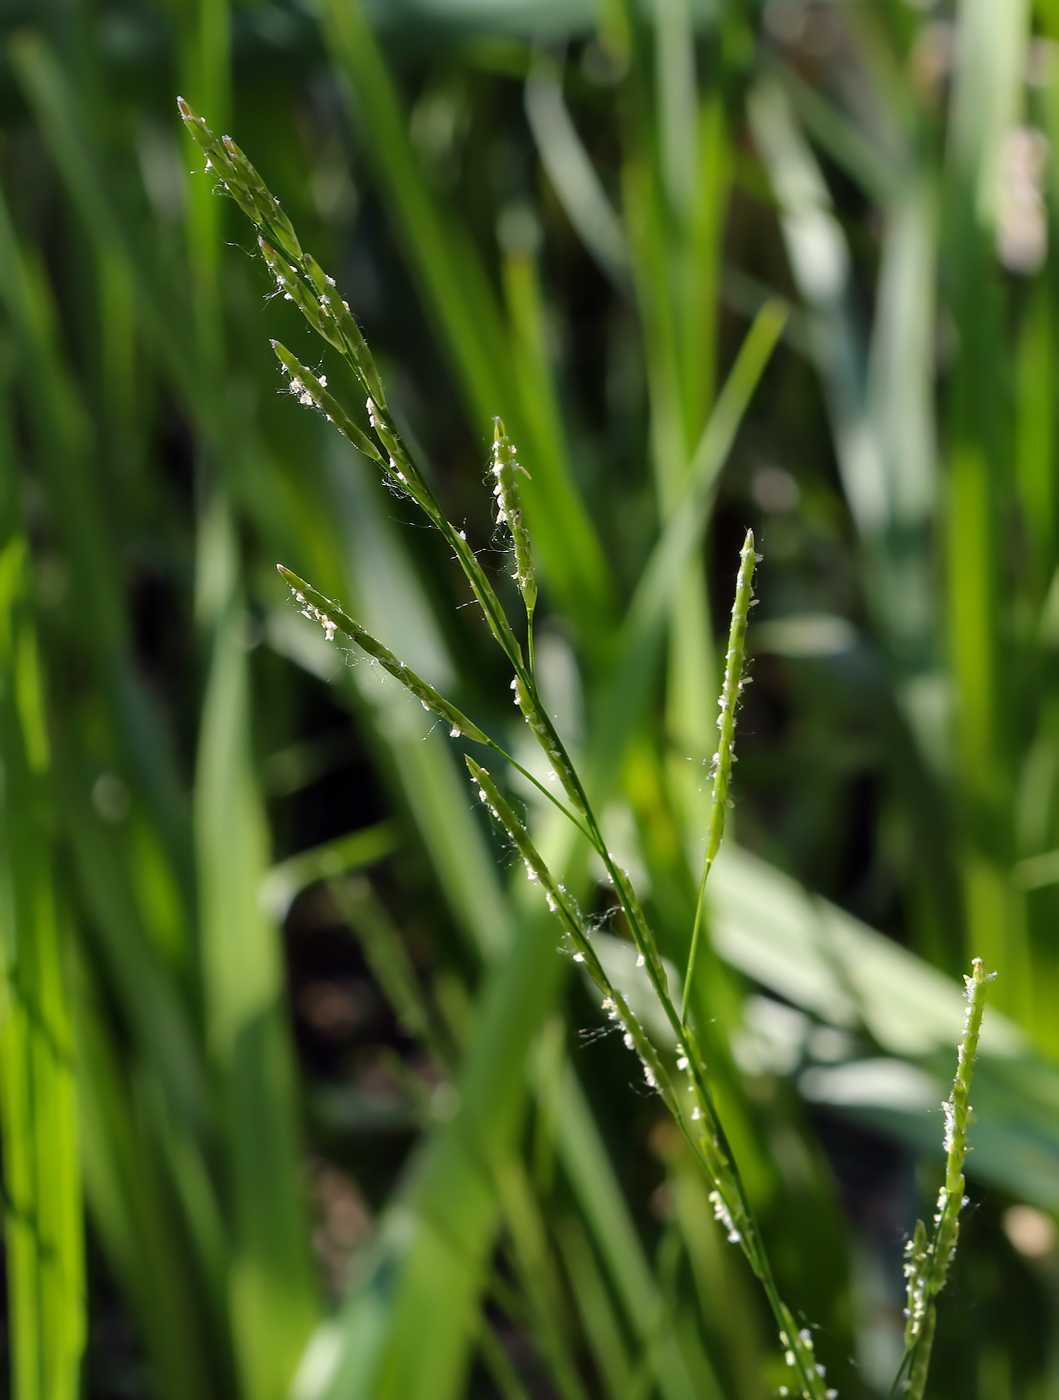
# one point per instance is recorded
(43, 1228)
(677, 98)
(152, 1007)
(271, 1288)
(286, 880)
(62, 435)
(537, 1273)
(48, 91)
(820, 262)
(178, 1310)
(599, 1318)
(592, 1179)
(457, 290)
(572, 173)
(449, 1218)
(625, 696)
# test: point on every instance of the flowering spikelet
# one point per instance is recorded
(731, 694)
(509, 511)
(299, 277)
(331, 617)
(225, 160)
(724, 1215)
(293, 288)
(928, 1255)
(311, 390)
(721, 767)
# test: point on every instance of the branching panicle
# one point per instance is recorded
(689, 1099)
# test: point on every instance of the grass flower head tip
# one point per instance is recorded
(930, 1253)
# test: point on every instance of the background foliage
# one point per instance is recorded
(341, 1114)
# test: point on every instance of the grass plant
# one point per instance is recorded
(690, 1099)
(349, 1122)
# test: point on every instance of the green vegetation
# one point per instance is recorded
(324, 1077)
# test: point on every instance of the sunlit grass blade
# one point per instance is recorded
(820, 261)
(42, 1198)
(985, 106)
(441, 1271)
(592, 1180)
(599, 1318)
(624, 696)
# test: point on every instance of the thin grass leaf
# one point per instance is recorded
(63, 437)
(360, 849)
(42, 1206)
(457, 290)
(624, 697)
(598, 1316)
(145, 1238)
(272, 1293)
(48, 90)
(572, 173)
(592, 1178)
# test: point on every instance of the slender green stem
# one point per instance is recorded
(699, 1124)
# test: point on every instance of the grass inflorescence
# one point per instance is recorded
(683, 1085)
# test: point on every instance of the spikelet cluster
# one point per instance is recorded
(721, 765)
(929, 1253)
(332, 619)
(509, 511)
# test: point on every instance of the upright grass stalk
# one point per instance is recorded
(930, 1256)
(723, 759)
(682, 1081)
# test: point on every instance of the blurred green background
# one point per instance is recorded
(298, 1094)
